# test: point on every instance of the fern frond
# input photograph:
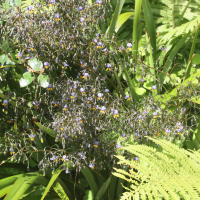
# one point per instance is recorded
(180, 30)
(170, 174)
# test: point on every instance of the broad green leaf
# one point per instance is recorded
(196, 59)
(90, 178)
(140, 91)
(53, 179)
(20, 186)
(5, 190)
(103, 189)
(8, 181)
(150, 25)
(35, 64)
(59, 190)
(122, 19)
(43, 80)
(26, 79)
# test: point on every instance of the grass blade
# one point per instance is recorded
(181, 17)
(191, 54)
(59, 190)
(171, 58)
(150, 25)
(130, 84)
(117, 12)
(135, 27)
(103, 189)
(53, 178)
(90, 179)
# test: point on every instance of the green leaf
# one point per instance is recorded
(130, 83)
(5, 190)
(90, 178)
(112, 187)
(140, 91)
(8, 181)
(122, 19)
(43, 80)
(116, 14)
(21, 185)
(135, 27)
(182, 14)
(35, 64)
(88, 195)
(150, 25)
(196, 59)
(59, 190)
(26, 79)
(103, 189)
(171, 58)
(53, 178)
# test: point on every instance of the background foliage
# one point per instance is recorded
(80, 81)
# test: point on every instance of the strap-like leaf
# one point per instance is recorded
(59, 190)
(103, 189)
(21, 185)
(150, 25)
(53, 178)
(90, 178)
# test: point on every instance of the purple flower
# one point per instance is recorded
(36, 104)
(108, 66)
(119, 147)
(155, 115)
(50, 87)
(82, 19)
(103, 109)
(99, 45)
(167, 131)
(51, 2)
(116, 114)
(100, 95)
(46, 64)
(82, 90)
(123, 135)
(30, 9)
(65, 65)
(153, 88)
(80, 8)
(127, 97)
(5, 102)
(32, 137)
(96, 144)
(65, 108)
(99, 2)
(57, 17)
(129, 46)
(106, 90)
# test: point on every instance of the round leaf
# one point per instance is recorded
(140, 91)
(35, 64)
(43, 80)
(26, 79)
(196, 59)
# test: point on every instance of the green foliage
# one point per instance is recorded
(166, 172)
